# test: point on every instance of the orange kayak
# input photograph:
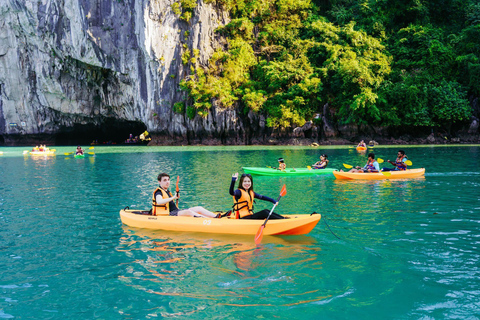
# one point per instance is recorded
(294, 225)
(409, 173)
(361, 148)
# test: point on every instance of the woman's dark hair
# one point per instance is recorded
(240, 182)
(371, 155)
(324, 155)
(161, 175)
(402, 152)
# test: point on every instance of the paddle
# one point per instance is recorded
(259, 235)
(347, 166)
(177, 189)
(408, 163)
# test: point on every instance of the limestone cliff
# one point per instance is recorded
(102, 67)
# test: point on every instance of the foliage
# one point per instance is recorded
(381, 62)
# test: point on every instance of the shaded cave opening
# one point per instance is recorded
(111, 131)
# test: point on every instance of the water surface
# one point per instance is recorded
(394, 249)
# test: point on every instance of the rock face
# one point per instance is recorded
(71, 68)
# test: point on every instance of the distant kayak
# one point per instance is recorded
(79, 156)
(289, 171)
(42, 153)
(296, 224)
(361, 148)
(409, 173)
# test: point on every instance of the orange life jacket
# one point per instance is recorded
(244, 205)
(160, 209)
(400, 164)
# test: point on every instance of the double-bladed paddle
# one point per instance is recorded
(259, 235)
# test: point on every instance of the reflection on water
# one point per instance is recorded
(242, 273)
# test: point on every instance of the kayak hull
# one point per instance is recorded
(293, 172)
(79, 156)
(409, 173)
(295, 225)
(361, 149)
(42, 153)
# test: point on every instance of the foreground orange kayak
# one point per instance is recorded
(295, 225)
(361, 148)
(409, 173)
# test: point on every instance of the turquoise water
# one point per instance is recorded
(400, 249)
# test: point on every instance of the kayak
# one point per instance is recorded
(295, 225)
(79, 156)
(361, 148)
(294, 172)
(42, 153)
(409, 173)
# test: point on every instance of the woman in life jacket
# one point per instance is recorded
(79, 150)
(322, 164)
(243, 199)
(163, 202)
(371, 166)
(399, 162)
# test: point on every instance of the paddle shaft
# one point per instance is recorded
(268, 217)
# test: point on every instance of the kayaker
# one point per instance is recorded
(244, 196)
(79, 151)
(163, 202)
(281, 164)
(399, 163)
(371, 166)
(362, 144)
(322, 164)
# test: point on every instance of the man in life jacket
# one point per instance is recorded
(281, 164)
(400, 162)
(371, 166)
(163, 202)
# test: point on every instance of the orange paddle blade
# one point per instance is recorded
(259, 235)
(284, 191)
(177, 189)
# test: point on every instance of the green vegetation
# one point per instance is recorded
(376, 62)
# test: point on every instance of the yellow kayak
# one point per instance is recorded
(406, 174)
(294, 225)
(42, 153)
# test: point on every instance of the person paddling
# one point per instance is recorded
(163, 203)
(400, 162)
(362, 144)
(281, 164)
(371, 166)
(322, 164)
(244, 196)
(79, 151)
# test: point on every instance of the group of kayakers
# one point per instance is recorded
(163, 201)
(322, 164)
(372, 165)
(41, 148)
